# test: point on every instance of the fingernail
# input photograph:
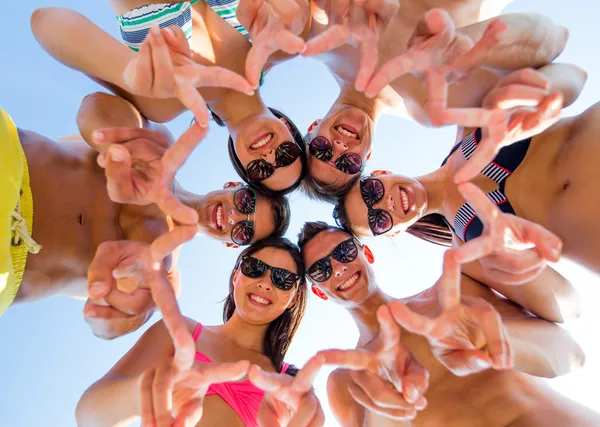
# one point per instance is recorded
(98, 135)
(413, 393)
(97, 288)
(250, 93)
(556, 253)
(89, 311)
(482, 364)
(116, 155)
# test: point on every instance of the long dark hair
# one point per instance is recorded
(281, 331)
(241, 170)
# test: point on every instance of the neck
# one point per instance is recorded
(234, 107)
(435, 185)
(350, 97)
(243, 334)
(365, 315)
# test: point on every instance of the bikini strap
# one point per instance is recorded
(197, 331)
(284, 367)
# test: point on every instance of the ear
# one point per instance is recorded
(232, 184)
(230, 245)
(368, 254)
(318, 292)
(313, 125)
(379, 172)
(369, 154)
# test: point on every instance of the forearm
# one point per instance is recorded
(110, 402)
(530, 40)
(568, 79)
(542, 349)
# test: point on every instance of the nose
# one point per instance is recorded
(265, 284)
(269, 156)
(339, 268)
(340, 146)
(234, 216)
(389, 203)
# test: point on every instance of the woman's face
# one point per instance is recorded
(264, 137)
(403, 198)
(257, 300)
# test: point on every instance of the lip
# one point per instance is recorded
(267, 145)
(256, 303)
(214, 217)
(348, 127)
(351, 287)
(411, 198)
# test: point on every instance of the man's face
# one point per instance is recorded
(349, 283)
(347, 135)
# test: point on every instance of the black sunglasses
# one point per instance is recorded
(322, 149)
(372, 191)
(285, 155)
(244, 200)
(345, 252)
(255, 268)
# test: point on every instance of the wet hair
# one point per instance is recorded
(280, 206)
(431, 228)
(281, 331)
(322, 191)
(241, 170)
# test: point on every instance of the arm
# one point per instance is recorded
(346, 410)
(568, 79)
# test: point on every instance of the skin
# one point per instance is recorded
(240, 338)
(491, 398)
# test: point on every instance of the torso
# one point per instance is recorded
(72, 216)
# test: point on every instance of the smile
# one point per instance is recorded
(349, 283)
(218, 217)
(347, 131)
(259, 300)
(263, 140)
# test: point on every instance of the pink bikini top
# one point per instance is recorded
(243, 397)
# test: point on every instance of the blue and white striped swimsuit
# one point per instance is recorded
(467, 225)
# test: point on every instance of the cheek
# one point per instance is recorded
(243, 155)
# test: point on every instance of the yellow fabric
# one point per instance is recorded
(16, 202)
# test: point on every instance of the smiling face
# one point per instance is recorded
(349, 132)
(257, 300)
(403, 198)
(349, 283)
(258, 138)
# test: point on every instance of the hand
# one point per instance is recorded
(438, 55)
(165, 68)
(289, 401)
(389, 381)
(468, 335)
(523, 107)
(171, 389)
(140, 167)
(358, 21)
(511, 250)
(273, 25)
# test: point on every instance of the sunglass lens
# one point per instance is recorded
(242, 233)
(321, 149)
(320, 271)
(259, 170)
(252, 267)
(350, 163)
(286, 154)
(345, 252)
(283, 279)
(380, 221)
(371, 191)
(245, 201)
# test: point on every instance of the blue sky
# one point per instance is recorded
(48, 355)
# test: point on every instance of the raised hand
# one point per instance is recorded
(165, 68)
(468, 335)
(273, 25)
(358, 21)
(511, 250)
(289, 401)
(388, 381)
(140, 167)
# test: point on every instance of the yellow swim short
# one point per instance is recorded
(16, 212)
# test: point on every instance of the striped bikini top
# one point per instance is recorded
(467, 225)
(243, 396)
(135, 24)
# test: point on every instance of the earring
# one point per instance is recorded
(368, 254)
(318, 293)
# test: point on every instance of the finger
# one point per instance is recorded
(330, 39)
(100, 280)
(492, 329)
(486, 210)
(350, 359)
(289, 42)
(448, 285)
(255, 62)
(369, 58)
(165, 244)
(176, 39)
(214, 76)
(477, 56)
(437, 93)
(307, 409)
(190, 413)
(119, 181)
(515, 261)
(140, 301)
(139, 74)
(287, 10)
(513, 96)
(216, 373)
(247, 11)
(389, 330)
(513, 279)
(526, 76)
(162, 394)
(548, 245)
(434, 22)
(305, 378)
(96, 309)
(390, 71)
(193, 101)
(164, 81)
(180, 151)
(550, 109)
(415, 383)
(410, 320)
(121, 135)
(318, 419)
(175, 208)
(382, 8)
(146, 399)
(396, 414)
(466, 362)
(379, 392)
(269, 382)
(466, 117)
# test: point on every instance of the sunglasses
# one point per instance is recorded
(255, 268)
(244, 200)
(322, 149)
(345, 252)
(285, 155)
(372, 191)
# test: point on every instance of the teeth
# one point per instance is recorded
(220, 216)
(259, 299)
(262, 142)
(404, 198)
(346, 132)
(351, 281)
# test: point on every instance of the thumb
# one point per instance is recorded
(548, 245)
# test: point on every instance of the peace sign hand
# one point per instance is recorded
(140, 167)
(273, 25)
(165, 68)
(468, 335)
(511, 250)
(289, 401)
(355, 21)
(389, 381)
